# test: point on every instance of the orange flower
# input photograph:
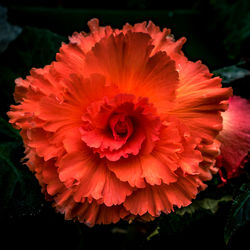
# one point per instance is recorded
(234, 138)
(121, 125)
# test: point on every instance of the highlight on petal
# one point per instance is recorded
(122, 125)
(235, 136)
(125, 61)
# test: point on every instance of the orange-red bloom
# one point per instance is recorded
(121, 125)
(234, 138)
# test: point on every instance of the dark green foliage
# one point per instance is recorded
(19, 190)
(21, 56)
(239, 215)
(200, 45)
(9, 174)
(233, 19)
(232, 73)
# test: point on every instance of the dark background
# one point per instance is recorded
(217, 32)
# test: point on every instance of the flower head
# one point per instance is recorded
(121, 125)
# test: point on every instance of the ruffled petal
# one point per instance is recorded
(199, 98)
(135, 169)
(197, 94)
(43, 142)
(129, 170)
(157, 199)
(114, 191)
(92, 213)
(97, 129)
(132, 147)
(50, 178)
(79, 93)
(87, 41)
(177, 148)
(75, 170)
(156, 172)
(125, 61)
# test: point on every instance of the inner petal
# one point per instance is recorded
(120, 126)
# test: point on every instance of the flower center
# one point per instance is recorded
(121, 126)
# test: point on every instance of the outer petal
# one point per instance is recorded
(72, 55)
(157, 199)
(75, 171)
(158, 37)
(114, 191)
(50, 178)
(199, 97)
(87, 41)
(91, 213)
(207, 167)
(177, 148)
(43, 142)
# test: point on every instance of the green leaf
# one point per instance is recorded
(209, 204)
(19, 191)
(9, 174)
(7, 132)
(239, 214)
(233, 20)
(231, 73)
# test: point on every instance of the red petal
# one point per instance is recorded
(157, 199)
(177, 148)
(135, 169)
(114, 191)
(42, 142)
(129, 170)
(155, 172)
(93, 213)
(75, 171)
(131, 147)
(125, 61)
(50, 177)
(199, 97)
